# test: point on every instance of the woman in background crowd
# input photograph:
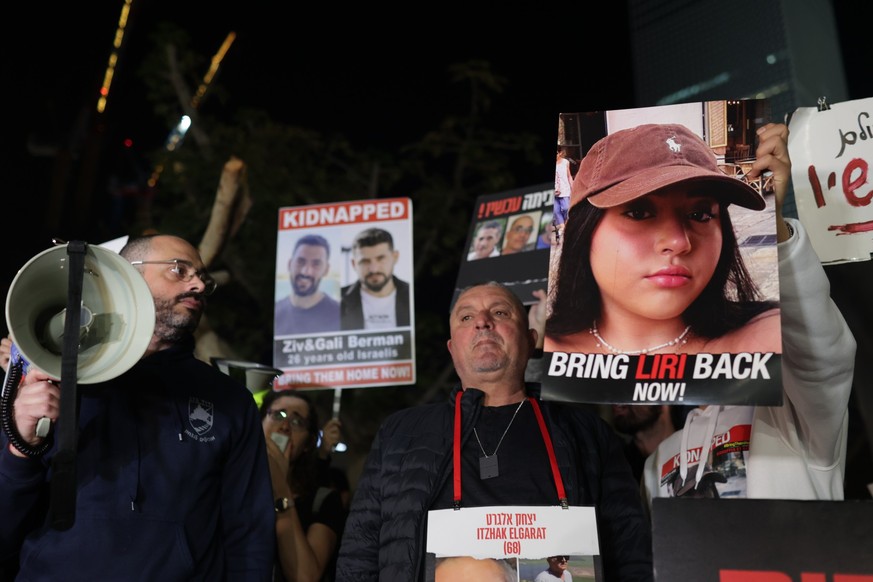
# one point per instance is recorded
(309, 517)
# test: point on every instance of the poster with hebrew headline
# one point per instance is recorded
(509, 241)
(831, 152)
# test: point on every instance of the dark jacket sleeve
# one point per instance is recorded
(359, 549)
(624, 528)
(22, 483)
(247, 504)
(601, 476)
(384, 538)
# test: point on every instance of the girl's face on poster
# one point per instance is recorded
(654, 255)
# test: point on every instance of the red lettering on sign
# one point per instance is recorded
(849, 182)
(850, 185)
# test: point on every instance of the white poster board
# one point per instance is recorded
(335, 344)
(831, 152)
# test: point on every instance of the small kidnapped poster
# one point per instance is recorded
(344, 314)
(664, 287)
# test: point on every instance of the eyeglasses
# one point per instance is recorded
(522, 229)
(296, 422)
(185, 271)
(561, 558)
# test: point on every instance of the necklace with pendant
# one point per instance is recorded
(681, 340)
(488, 463)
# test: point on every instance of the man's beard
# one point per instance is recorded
(301, 291)
(380, 281)
(173, 327)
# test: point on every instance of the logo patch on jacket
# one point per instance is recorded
(200, 415)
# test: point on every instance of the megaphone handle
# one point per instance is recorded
(63, 483)
(10, 389)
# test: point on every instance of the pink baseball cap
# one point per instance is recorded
(633, 162)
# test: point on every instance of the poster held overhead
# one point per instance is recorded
(665, 286)
(344, 311)
(509, 241)
(831, 152)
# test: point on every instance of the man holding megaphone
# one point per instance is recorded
(171, 477)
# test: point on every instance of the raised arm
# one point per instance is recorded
(818, 347)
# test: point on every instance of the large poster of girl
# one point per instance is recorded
(666, 287)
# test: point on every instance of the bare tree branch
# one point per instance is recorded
(232, 203)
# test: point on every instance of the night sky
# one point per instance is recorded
(324, 71)
(333, 69)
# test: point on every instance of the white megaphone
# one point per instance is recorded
(117, 317)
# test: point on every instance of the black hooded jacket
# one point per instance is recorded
(410, 463)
